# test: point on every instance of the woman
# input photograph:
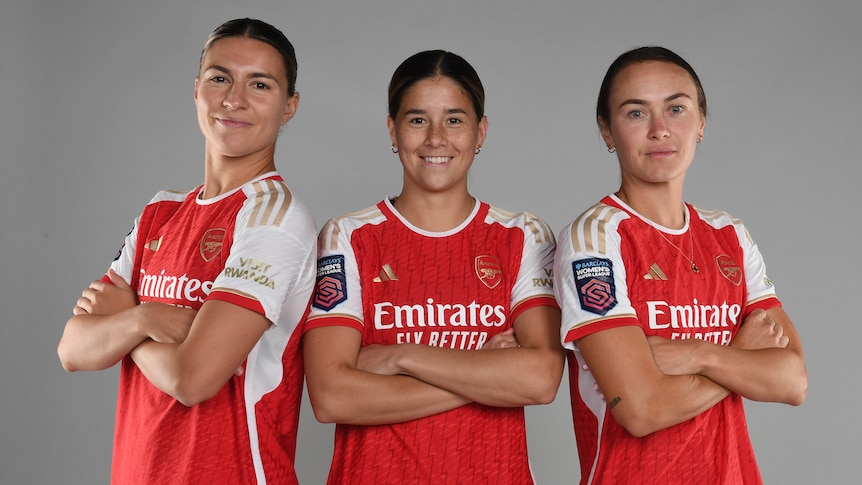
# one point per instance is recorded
(666, 307)
(462, 287)
(211, 373)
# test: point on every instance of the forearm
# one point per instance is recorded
(159, 364)
(96, 342)
(670, 400)
(348, 395)
(641, 396)
(500, 377)
(196, 368)
(773, 375)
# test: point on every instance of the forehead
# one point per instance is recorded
(438, 90)
(238, 53)
(658, 78)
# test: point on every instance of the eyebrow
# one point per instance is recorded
(642, 102)
(417, 111)
(250, 76)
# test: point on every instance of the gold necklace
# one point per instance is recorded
(690, 259)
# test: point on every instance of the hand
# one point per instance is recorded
(760, 331)
(676, 357)
(379, 359)
(166, 324)
(102, 298)
(503, 340)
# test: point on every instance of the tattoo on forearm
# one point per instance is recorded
(615, 401)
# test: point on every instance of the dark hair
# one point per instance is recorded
(642, 54)
(434, 63)
(263, 32)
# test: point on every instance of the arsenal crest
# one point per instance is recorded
(489, 270)
(729, 269)
(211, 243)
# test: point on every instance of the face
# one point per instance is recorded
(241, 97)
(655, 122)
(437, 132)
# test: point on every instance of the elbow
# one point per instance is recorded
(326, 408)
(65, 359)
(542, 385)
(544, 390)
(799, 392)
(637, 426)
(325, 415)
(190, 393)
(70, 360)
(639, 418)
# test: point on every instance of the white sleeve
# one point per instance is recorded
(535, 276)
(272, 260)
(589, 275)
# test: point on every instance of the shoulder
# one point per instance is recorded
(269, 202)
(590, 230)
(529, 223)
(345, 224)
(168, 196)
(719, 219)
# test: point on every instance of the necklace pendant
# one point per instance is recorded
(694, 267)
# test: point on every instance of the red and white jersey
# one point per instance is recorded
(615, 268)
(253, 247)
(396, 283)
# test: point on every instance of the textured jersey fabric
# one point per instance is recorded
(253, 247)
(396, 283)
(615, 268)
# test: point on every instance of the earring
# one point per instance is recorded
(478, 149)
(612, 149)
(394, 148)
(699, 138)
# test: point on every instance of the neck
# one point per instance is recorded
(660, 204)
(435, 213)
(223, 174)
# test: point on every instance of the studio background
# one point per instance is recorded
(96, 115)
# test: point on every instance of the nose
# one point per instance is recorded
(435, 135)
(234, 97)
(658, 128)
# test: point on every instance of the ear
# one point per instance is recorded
(390, 125)
(290, 108)
(483, 130)
(701, 127)
(197, 82)
(605, 130)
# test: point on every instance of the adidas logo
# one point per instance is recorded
(655, 273)
(386, 274)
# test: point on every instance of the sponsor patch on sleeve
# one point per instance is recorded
(594, 279)
(331, 282)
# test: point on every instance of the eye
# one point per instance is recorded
(636, 114)
(677, 109)
(260, 85)
(218, 79)
(416, 121)
(454, 121)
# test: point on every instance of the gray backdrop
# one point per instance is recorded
(96, 115)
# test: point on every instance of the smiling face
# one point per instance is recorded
(437, 133)
(654, 122)
(241, 97)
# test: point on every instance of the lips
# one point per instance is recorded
(662, 152)
(437, 160)
(231, 123)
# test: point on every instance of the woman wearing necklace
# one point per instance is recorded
(667, 309)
